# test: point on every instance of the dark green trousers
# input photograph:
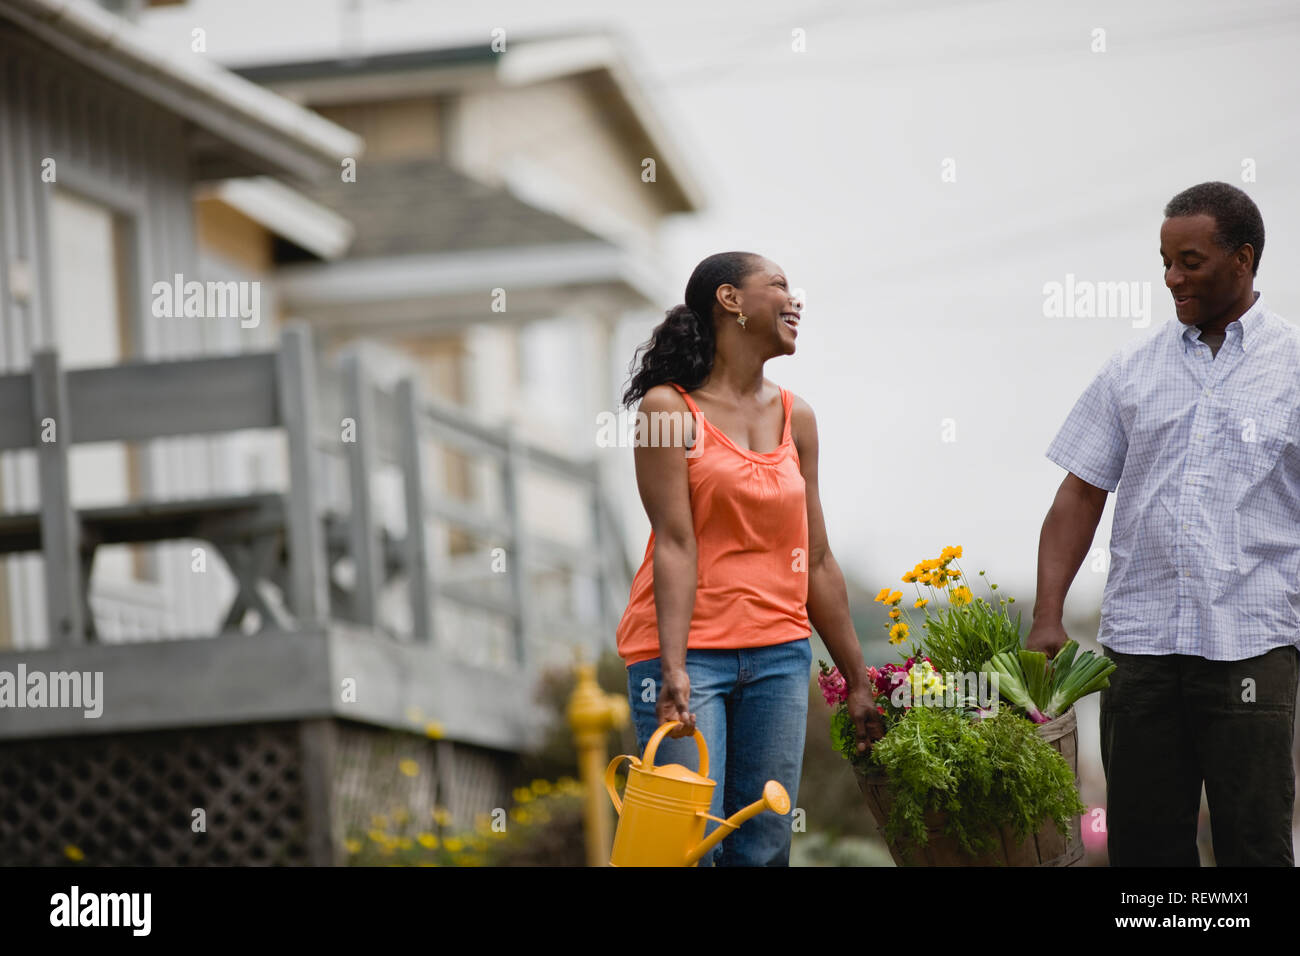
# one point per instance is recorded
(1172, 722)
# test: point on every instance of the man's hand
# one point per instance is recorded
(1046, 635)
(866, 719)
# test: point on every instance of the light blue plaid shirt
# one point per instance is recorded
(1205, 451)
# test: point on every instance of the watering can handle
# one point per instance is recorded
(653, 745)
(609, 779)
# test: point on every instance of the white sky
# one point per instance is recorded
(925, 298)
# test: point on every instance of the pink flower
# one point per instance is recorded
(833, 686)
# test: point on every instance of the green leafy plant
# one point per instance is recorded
(1047, 689)
(982, 773)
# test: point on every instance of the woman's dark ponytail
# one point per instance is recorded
(682, 346)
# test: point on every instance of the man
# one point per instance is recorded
(1198, 428)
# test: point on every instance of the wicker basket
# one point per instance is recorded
(1047, 847)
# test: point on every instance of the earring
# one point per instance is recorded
(742, 319)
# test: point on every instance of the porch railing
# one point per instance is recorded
(418, 562)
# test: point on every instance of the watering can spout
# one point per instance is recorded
(774, 798)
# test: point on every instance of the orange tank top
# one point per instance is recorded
(751, 532)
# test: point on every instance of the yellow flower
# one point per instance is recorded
(522, 794)
(883, 595)
(428, 840)
(379, 836)
(909, 577)
(954, 573)
(73, 853)
(441, 816)
(895, 614)
(894, 597)
(960, 596)
(898, 633)
(433, 729)
(541, 787)
(409, 767)
(352, 846)
(921, 602)
(453, 845)
(925, 578)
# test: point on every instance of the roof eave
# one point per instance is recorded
(242, 129)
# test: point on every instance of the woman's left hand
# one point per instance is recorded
(866, 719)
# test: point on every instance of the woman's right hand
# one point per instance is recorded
(674, 702)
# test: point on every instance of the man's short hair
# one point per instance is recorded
(1235, 214)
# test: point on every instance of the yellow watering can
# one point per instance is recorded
(662, 814)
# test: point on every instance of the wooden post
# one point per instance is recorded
(422, 592)
(308, 568)
(361, 457)
(512, 467)
(60, 529)
(599, 556)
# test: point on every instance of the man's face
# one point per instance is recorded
(1206, 280)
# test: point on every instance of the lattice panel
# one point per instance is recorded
(128, 799)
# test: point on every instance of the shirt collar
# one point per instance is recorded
(1240, 329)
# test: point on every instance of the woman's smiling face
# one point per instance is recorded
(771, 306)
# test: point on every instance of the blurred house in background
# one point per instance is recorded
(460, 292)
(101, 149)
(507, 221)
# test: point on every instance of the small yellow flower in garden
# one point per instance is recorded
(452, 845)
(954, 573)
(428, 840)
(925, 578)
(541, 787)
(73, 852)
(519, 815)
(921, 602)
(960, 596)
(894, 597)
(883, 595)
(409, 767)
(378, 835)
(909, 577)
(898, 633)
(522, 794)
(441, 816)
(352, 846)
(379, 820)
(433, 729)
(895, 614)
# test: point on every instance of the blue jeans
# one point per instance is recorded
(751, 705)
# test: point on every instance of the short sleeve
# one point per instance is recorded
(1092, 443)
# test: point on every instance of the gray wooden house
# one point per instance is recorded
(259, 740)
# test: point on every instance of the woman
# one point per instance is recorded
(737, 569)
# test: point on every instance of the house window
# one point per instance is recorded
(91, 255)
